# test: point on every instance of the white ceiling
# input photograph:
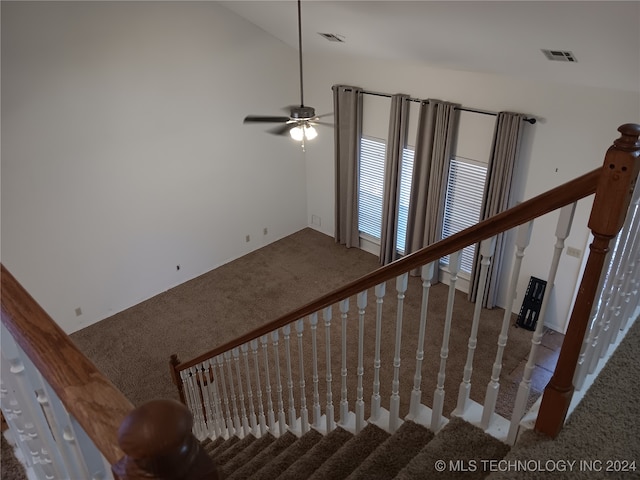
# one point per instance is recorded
(502, 37)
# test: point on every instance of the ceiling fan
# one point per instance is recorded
(302, 119)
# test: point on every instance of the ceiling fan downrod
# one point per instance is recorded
(300, 54)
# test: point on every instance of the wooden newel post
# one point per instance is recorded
(175, 376)
(613, 195)
(158, 445)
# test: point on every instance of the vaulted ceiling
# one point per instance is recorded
(501, 37)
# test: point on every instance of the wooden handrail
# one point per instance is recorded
(97, 405)
(549, 201)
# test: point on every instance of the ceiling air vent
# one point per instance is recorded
(332, 37)
(559, 55)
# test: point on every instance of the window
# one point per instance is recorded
(463, 201)
(371, 189)
(406, 175)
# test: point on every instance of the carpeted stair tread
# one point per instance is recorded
(459, 441)
(317, 455)
(248, 453)
(394, 453)
(234, 450)
(261, 458)
(288, 457)
(210, 445)
(223, 446)
(351, 454)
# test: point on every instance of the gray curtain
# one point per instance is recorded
(437, 126)
(497, 190)
(347, 110)
(396, 142)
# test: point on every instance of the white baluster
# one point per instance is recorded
(52, 442)
(41, 398)
(626, 266)
(416, 393)
(326, 316)
(207, 418)
(77, 460)
(563, 229)
(595, 342)
(282, 420)
(394, 410)
(59, 420)
(344, 403)
(98, 469)
(252, 413)
(237, 423)
(47, 466)
(608, 309)
(313, 321)
(286, 331)
(219, 429)
(38, 439)
(438, 395)
(630, 300)
(588, 346)
(487, 247)
(246, 429)
(184, 376)
(196, 396)
(262, 421)
(304, 413)
(375, 396)
(228, 419)
(362, 304)
(270, 414)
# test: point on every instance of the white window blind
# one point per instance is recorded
(371, 189)
(406, 174)
(370, 186)
(465, 189)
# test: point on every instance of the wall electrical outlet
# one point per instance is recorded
(574, 252)
(265, 231)
(78, 311)
(247, 238)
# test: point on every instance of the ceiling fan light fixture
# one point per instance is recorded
(309, 132)
(297, 133)
(301, 120)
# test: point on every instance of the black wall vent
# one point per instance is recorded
(559, 55)
(332, 37)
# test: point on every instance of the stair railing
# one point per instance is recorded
(68, 421)
(610, 211)
(196, 379)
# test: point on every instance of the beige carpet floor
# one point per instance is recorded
(601, 438)
(133, 347)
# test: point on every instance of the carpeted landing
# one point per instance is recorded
(412, 452)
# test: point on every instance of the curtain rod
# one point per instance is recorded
(531, 120)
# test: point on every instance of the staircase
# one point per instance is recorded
(412, 452)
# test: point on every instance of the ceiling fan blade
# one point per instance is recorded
(264, 119)
(282, 129)
(326, 124)
(324, 115)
